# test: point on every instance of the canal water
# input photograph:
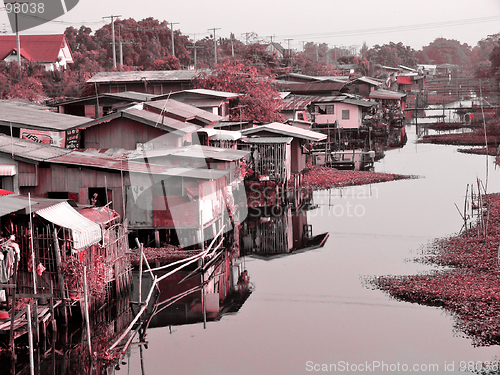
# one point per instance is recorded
(313, 309)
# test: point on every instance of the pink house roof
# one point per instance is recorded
(39, 48)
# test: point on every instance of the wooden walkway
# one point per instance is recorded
(20, 322)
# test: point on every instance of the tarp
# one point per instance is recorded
(84, 231)
(404, 80)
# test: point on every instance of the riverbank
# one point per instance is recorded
(468, 286)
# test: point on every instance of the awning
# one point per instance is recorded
(84, 231)
(7, 169)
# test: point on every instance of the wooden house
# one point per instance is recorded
(187, 204)
(196, 156)
(151, 125)
(362, 86)
(51, 51)
(134, 128)
(295, 108)
(38, 123)
(299, 148)
(56, 242)
(157, 82)
(341, 112)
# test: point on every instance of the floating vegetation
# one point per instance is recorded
(322, 178)
(470, 285)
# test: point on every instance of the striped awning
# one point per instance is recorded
(84, 231)
(7, 169)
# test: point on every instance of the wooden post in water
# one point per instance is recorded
(30, 338)
(60, 276)
(141, 250)
(87, 320)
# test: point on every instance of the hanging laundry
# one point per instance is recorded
(40, 268)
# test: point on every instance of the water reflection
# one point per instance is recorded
(270, 232)
(194, 296)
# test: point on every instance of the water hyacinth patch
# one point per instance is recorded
(469, 287)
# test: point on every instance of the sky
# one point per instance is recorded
(346, 23)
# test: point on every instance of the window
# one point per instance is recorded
(98, 196)
(330, 110)
(345, 114)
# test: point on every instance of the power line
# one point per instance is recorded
(382, 30)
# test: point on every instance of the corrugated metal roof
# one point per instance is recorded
(359, 103)
(321, 86)
(159, 121)
(85, 232)
(369, 80)
(101, 215)
(266, 140)
(296, 102)
(132, 95)
(29, 150)
(207, 92)
(93, 161)
(195, 151)
(148, 118)
(386, 94)
(185, 111)
(222, 135)
(9, 204)
(287, 130)
(141, 76)
(20, 114)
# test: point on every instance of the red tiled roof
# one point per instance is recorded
(39, 48)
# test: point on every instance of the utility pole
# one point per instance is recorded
(113, 42)
(172, 31)
(288, 46)
(195, 47)
(246, 37)
(215, 43)
(121, 45)
(18, 41)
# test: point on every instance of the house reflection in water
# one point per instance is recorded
(272, 232)
(192, 296)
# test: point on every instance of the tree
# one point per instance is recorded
(259, 101)
(170, 63)
(448, 51)
(392, 54)
(495, 62)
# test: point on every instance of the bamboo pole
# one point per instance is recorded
(87, 320)
(60, 276)
(132, 323)
(30, 338)
(32, 246)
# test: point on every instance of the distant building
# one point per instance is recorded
(157, 82)
(51, 51)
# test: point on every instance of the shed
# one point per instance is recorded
(300, 146)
